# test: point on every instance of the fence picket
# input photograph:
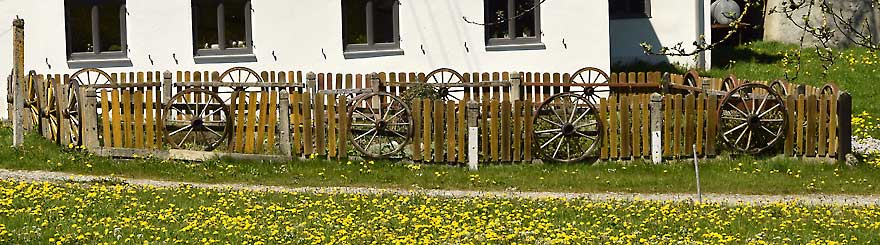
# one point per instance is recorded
(711, 125)
(251, 124)
(625, 117)
(677, 125)
(117, 118)
(332, 127)
(517, 130)
(811, 125)
(823, 124)
(295, 117)
(788, 147)
(614, 126)
(450, 131)
(439, 110)
(832, 127)
(701, 102)
(262, 116)
(105, 118)
(529, 130)
(603, 115)
(138, 119)
(667, 125)
(505, 131)
(636, 128)
(319, 111)
(427, 122)
(462, 130)
(801, 113)
(273, 120)
(417, 130)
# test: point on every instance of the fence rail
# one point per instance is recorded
(128, 111)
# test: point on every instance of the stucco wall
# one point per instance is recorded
(671, 22)
(779, 28)
(297, 31)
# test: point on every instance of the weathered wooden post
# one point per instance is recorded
(311, 83)
(656, 128)
(473, 113)
(844, 122)
(17, 81)
(515, 86)
(89, 124)
(167, 87)
(284, 122)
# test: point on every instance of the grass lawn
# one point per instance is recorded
(97, 212)
(855, 70)
(744, 175)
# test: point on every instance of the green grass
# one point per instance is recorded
(745, 175)
(40, 213)
(856, 70)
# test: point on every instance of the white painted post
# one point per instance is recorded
(167, 86)
(284, 123)
(473, 111)
(515, 86)
(656, 128)
(697, 172)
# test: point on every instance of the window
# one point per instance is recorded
(370, 25)
(95, 29)
(624, 9)
(512, 22)
(222, 27)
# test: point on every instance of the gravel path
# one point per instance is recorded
(810, 199)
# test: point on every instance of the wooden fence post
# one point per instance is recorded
(515, 86)
(17, 80)
(167, 87)
(656, 128)
(473, 112)
(844, 122)
(284, 123)
(88, 110)
(312, 83)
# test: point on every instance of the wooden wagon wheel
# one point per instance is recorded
(692, 79)
(829, 89)
(32, 98)
(199, 125)
(728, 83)
(72, 113)
(595, 76)
(446, 76)
(753, 118)
(51, 109)
(381, 124)
(567, 128)
(241, 75)
(779, 87)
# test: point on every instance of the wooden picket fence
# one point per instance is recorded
(129, 110)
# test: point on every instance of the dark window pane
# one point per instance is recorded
(525, 23)
(79, 24)
(637, 7)
(496, 19)
(206, 29)
(383, 21)
(354, 21)
(235, 24)
(110, 32)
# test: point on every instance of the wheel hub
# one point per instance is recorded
(754, 120)
(443, 92)
(197, 123)
(568, 129)
(381, 125)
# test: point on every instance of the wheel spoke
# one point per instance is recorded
(555, 130)
(551, 122)
(768, 131)
(749, 140)
(390, 105)
(185, 137)
(364, 115)
(769, 110)
(585, 135)
(180, 130)
(734, 118)
(581, 116)
(396, 114)
(763, 101)
(557, 147)
(738, 139)
(551, 140)
(587, 125)
(772, 120)
(735, 128)
(215, 132)
(737, 109)
(370, 142)
(365, 134)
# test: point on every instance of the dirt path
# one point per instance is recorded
(811, 199)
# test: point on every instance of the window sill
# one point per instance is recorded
(99, 63)
(372, 53)
(510, 47)
(228, 58)
(629, 16)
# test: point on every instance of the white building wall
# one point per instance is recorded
(672, 21)
(298, 30)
